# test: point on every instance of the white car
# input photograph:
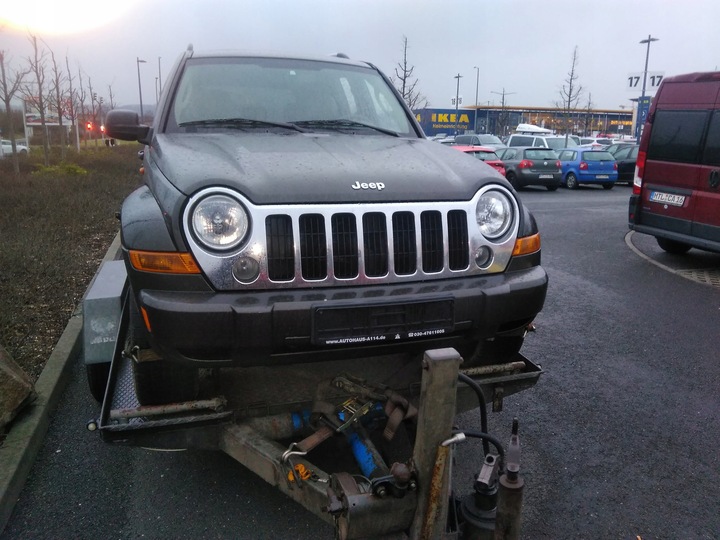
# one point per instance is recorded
(7, 148)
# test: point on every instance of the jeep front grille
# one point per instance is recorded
(357, 244)
(350, 258)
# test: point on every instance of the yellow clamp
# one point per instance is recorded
(303, 472)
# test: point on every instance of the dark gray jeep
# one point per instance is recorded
(293, 211)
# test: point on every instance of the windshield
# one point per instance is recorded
(277, 91)
(489, 139)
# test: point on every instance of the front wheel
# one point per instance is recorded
(97, 376)
(571, 181)
(157, 381)
(673, 246)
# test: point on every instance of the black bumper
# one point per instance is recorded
(288, 326)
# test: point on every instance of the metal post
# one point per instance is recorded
(159, 78)
(477, 83)
(138, 61)
(649, 40)
(457, 98)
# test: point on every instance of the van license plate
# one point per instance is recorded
(667, 198)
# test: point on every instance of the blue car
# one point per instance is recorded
(587, 166)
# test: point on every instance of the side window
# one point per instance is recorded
(521, 140)
(676, 135)
(712, 144)
(564, 155)
(623, 153)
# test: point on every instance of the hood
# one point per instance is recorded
(292, 168)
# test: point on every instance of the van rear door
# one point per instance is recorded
(706, 221)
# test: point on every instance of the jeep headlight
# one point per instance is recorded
(494, 214)
(220, 222)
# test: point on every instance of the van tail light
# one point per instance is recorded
(583, 166)
(639, 172)
(525, 164)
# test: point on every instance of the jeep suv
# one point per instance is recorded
(293, 211)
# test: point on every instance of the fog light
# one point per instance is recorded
(246, 269)
(484, 257)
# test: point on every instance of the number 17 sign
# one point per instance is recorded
(634, 81)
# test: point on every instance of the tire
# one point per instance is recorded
(571, 181)
(510, 177)
(158, 382)
(97, 376)
(551, 188)
(672, 246)
(608, 186)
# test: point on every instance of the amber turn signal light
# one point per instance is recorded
(527, 245)
(163, 262)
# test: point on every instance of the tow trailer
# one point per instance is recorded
(366, 447)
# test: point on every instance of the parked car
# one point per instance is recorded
(595, 143)
(677, 181)
(587, 166)
(614, 147)
(626, 159)
(556, 142)
(531, 166)
(480, 139)
(7, 148)
(482, 153)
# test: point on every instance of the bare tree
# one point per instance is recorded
(9, 86)
(81, 101)
(112, 97)
(37, 95)
(73, 102)
(57, 97)
(93, 100)
(588, 119)
(571, 92)
(406, 84)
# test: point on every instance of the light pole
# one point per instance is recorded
(641, 103)
(477, 83)
(138, 61)
(457, 99)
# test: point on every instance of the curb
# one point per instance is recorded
(29, 428)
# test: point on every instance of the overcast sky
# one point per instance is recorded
(522, 47)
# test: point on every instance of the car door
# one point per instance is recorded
(706, 219)
(566, 158)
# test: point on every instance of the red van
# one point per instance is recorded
(676, 189)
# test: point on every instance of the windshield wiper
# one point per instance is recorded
(345, 124)
(241, 122)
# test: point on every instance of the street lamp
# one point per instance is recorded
(477, 83)
(457, 99)
(641, 103)
(138, 61)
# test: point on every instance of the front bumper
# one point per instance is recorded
(282, 326)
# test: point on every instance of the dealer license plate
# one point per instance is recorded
(382, 323)
(546, 176)
(667, 198)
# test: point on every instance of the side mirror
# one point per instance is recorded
(125, 125)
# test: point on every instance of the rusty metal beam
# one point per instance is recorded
(435, 420)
